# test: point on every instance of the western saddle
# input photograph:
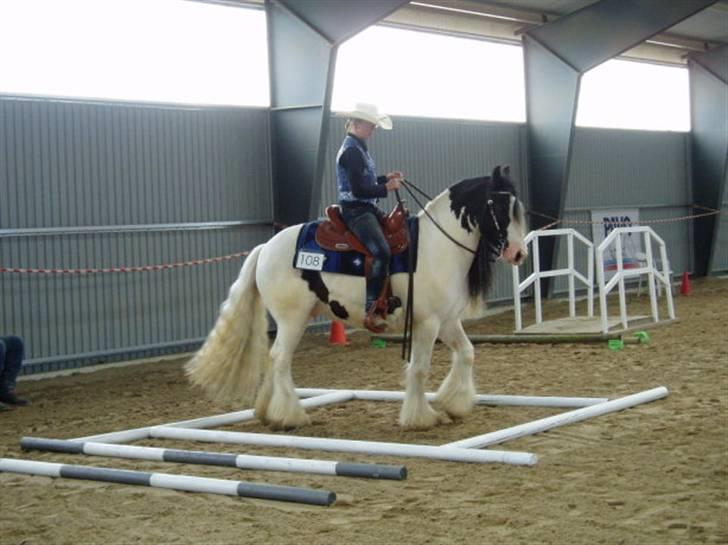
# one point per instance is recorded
(332, 234)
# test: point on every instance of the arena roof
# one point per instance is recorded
(507, 19)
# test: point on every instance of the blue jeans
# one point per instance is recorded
(11, 360)
(363, 221)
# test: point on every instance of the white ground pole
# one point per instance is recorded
(186, 483)
(345, 445)
(555, 421)
(466, 450)
(127, 436)
(317, 397)
(242, 461)
(480, 399)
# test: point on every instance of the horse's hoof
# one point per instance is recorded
(426, 422)
(288, 424)
(262, 418)
(455, 412)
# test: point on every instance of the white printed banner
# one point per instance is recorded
(603, 223)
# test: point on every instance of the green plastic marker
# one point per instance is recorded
(379, 343)
(615, 344)
(642, 337)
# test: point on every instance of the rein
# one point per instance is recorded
(407, 185)
(410, 308)
(496, 249)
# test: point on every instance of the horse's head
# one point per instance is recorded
(491, 205)
(504, 223)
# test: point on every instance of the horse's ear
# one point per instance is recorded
(501, 172)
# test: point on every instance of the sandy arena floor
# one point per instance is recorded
(654, 474)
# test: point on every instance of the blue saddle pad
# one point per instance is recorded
(351, 263)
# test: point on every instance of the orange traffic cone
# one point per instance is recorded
(337, 335)
(685, 286)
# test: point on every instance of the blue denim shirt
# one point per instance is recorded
(343, 182)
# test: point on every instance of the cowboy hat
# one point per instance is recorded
(370, 113)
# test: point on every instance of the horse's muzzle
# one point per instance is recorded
(514, 255)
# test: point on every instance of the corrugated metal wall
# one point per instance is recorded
(435, 153)
(720, 259)
(191, 172)
(631, 169)
(67, 164)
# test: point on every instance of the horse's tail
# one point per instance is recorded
(230, 363)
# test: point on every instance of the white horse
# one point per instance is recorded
(461, 232)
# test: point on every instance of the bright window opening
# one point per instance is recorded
(137, 50)
(635, 95)
(419, 74)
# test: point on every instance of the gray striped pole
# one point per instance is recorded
(243, 461)
(187, 483)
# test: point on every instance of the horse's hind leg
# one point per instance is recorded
(457, 391)
(416, 413)
(277, 403)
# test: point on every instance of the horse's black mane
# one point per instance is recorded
(469, 203)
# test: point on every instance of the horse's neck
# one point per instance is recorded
(446, 250)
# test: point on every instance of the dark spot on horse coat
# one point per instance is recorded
(317, 286)
(339, 310)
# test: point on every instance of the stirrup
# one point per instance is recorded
(375, 323)
(375, 319)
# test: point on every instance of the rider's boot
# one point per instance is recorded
(375, 319)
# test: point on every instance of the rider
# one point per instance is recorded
(359, 190)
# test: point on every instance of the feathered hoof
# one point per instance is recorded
(457, 409)
(262, 417)
(289, 423)
(425, 420)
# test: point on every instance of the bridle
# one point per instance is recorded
(501, 234)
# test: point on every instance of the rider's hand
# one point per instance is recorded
(393, 184)
(394, 180)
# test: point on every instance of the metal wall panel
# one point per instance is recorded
(628, 168)
(69, 164)
(631, 169)
(434, 154)
(720, 258)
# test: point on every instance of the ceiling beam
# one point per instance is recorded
(303, 39)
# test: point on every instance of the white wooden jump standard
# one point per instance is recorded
(242, 461)
(187, 483)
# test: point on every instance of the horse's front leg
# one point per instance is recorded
(416, 413)
(457, 392)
